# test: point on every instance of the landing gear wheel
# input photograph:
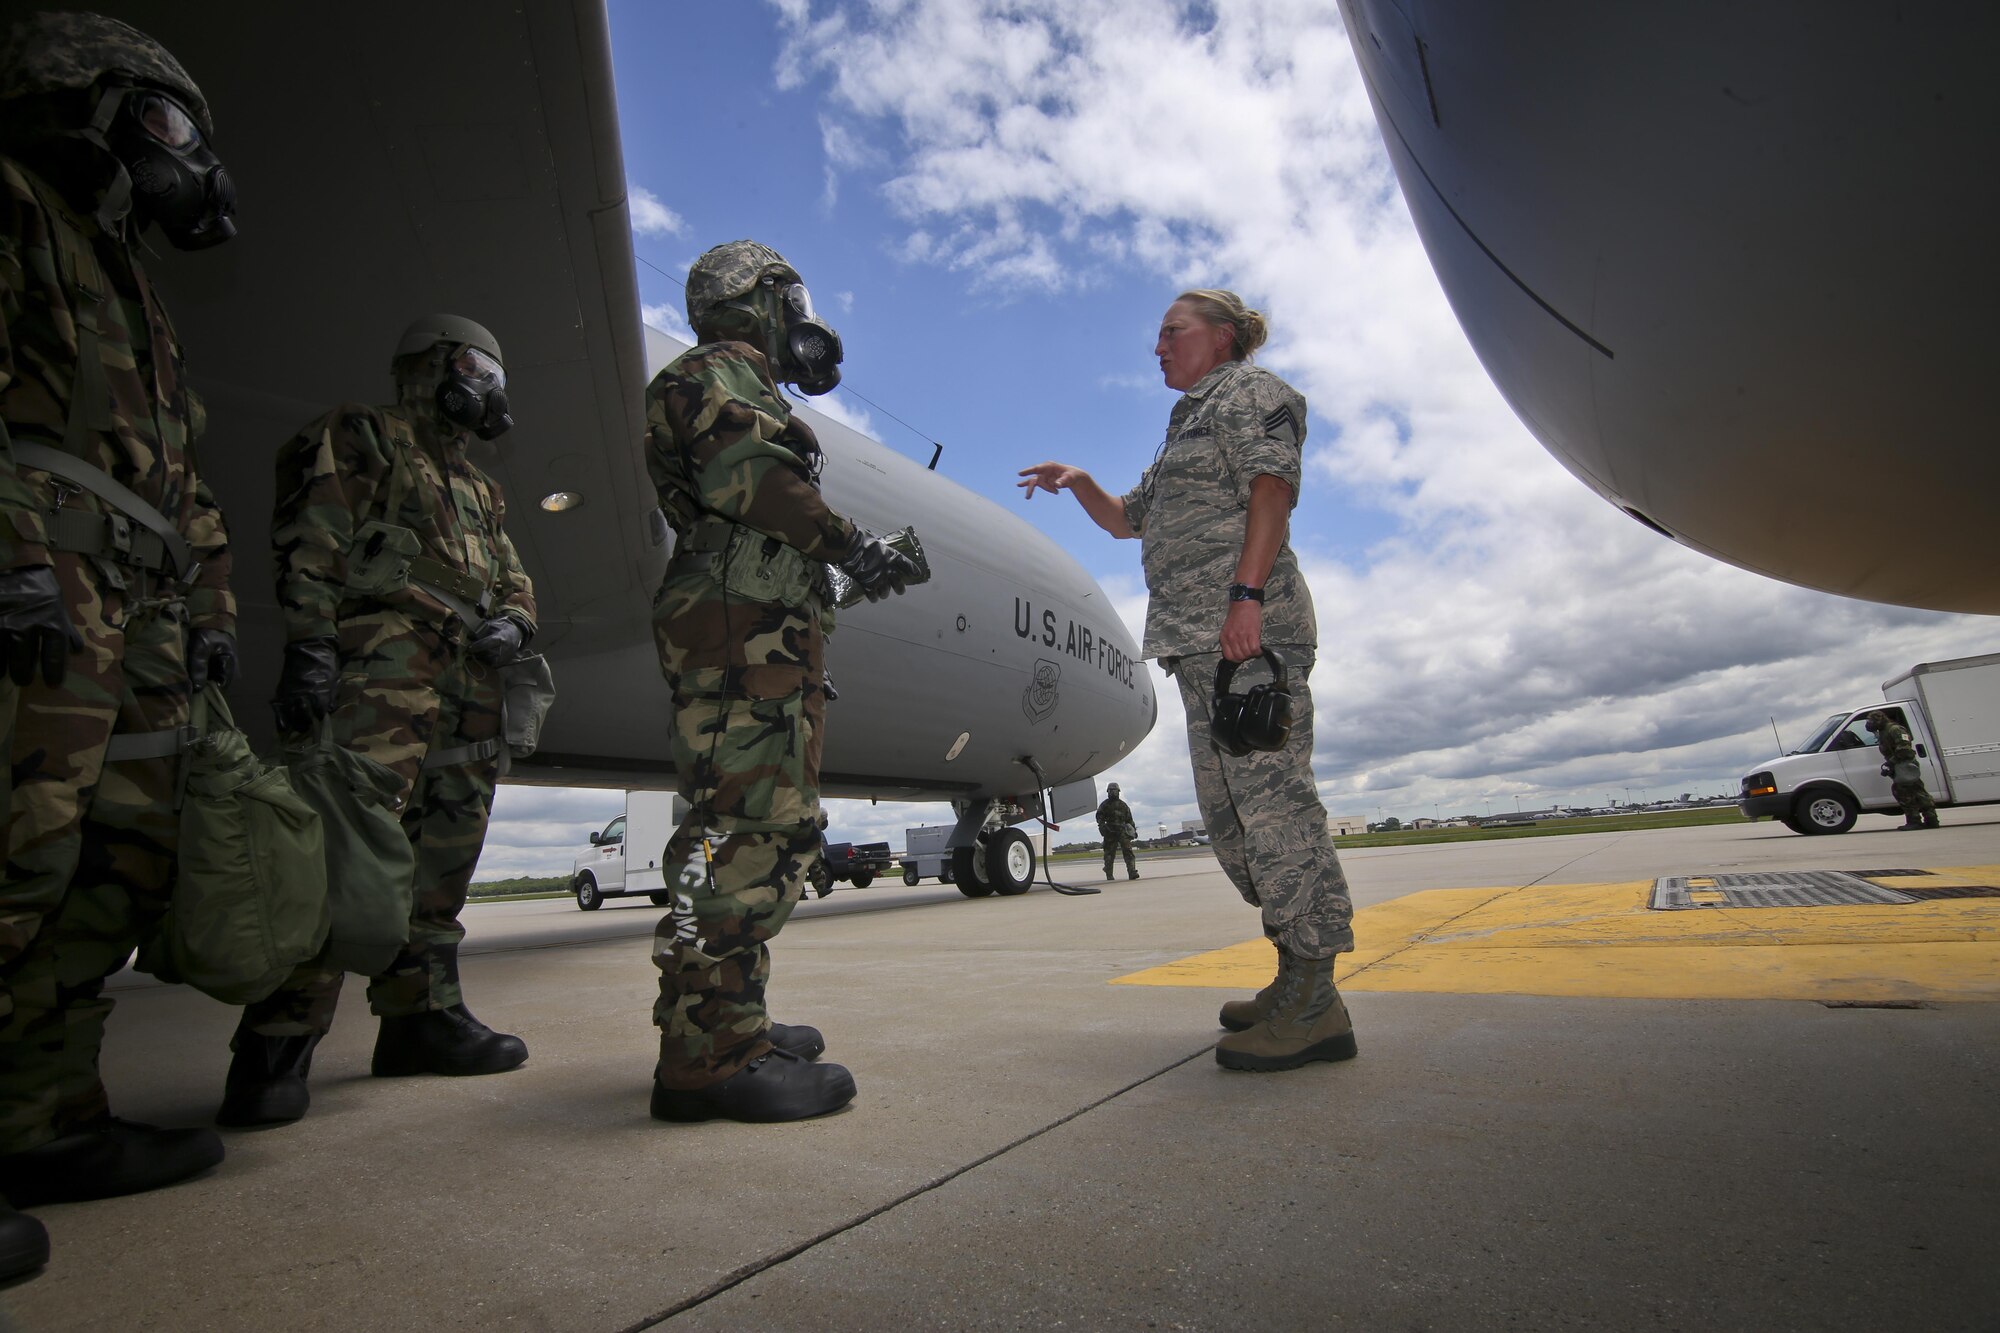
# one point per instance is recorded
(1010, 862)
(968, 871)
(945, 873)
(910, 876)
(587, 895)
(1827, 811)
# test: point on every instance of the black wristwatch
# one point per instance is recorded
(1243, 592)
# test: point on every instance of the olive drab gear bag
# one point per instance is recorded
(370, 866)
(249, 898)
(529, 687)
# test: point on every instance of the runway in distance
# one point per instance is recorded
(379, 181)
(1730, 263)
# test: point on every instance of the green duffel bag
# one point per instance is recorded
(371, 868)
(249, 899)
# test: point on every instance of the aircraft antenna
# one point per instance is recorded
(937, 447)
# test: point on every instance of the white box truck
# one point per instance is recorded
(1953, 712)
(624, 856)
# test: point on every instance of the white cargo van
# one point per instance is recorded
(624, 856)
(1953, 712)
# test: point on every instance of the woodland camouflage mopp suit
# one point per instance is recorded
(114, 580)
(741, 620)
(402, 598)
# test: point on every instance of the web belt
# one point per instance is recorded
(110, 535)
(461, 594)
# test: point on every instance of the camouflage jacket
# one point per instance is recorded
(721, 444)
(1114, 816)
(362, 492)
(142, 426)
(1192, 507)
(1895, 744)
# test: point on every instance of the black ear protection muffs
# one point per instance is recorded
(1258, 720)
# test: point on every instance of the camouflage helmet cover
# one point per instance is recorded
(46, 53)
(1113, 788)
(727, 272)
(1878, 717)
(428, 332)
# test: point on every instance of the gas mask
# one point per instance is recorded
(178, 182)
(812, 348)
(473, 393)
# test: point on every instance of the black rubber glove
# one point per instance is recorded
(34, 628)
(1888, 771)
(499, 640)
(211, 658)
(826, 686)
(877, 567)
(306, 688)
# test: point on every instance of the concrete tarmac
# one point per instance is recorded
(1034, 1147)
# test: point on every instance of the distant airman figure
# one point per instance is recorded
(114, 582)
(1906, 776)
(1116, 826)
(402, 598)
(741, 621)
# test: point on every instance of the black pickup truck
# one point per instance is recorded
(856, 862)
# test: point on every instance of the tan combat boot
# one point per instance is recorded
(1306, 1022)
(1240, 1014)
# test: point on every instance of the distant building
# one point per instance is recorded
(1346, 825)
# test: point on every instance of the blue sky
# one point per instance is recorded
(994, 201)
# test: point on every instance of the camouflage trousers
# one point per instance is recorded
(1915, 800)
(89, 846)
(746, 744)
(1113, 843)
(1265, 821)
(407, 690)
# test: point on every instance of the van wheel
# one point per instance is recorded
(1827, 810)
(1010, 862)
(587, 895)
(910, 876)
(660, 899)
(968, 871)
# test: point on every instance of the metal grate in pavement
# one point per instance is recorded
(1790, 888)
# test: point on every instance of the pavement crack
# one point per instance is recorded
(738, 1276)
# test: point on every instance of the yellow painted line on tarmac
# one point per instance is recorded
(1602, 940)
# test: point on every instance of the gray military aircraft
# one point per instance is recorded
(397, 158)
(1731, 263)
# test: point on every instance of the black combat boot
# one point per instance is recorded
(24, 1246)
(1931, 819)
(443, 1041)
(1909, 822)
(109, 1158)
(775, 1086)
(266, 1084)
(797, 1039)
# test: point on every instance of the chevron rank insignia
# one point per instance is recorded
(1282, 426)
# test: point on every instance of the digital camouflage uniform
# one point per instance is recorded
(1893, 740)
(89, 846)
(741, 621)
(1120, 832)
(362, 493)
(1265, 821)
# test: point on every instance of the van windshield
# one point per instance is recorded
(1823, 734)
